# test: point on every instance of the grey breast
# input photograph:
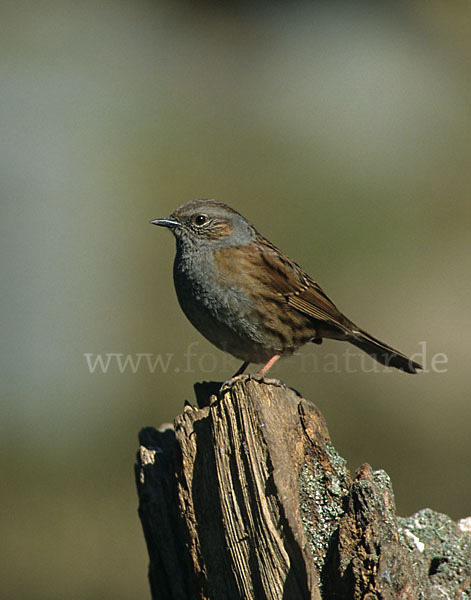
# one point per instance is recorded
(219, 311)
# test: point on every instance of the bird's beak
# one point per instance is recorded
(170, 222)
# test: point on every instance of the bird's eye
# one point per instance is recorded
(200, 220)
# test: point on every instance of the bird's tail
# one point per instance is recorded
(384, 354)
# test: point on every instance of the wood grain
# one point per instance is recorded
(246, 498)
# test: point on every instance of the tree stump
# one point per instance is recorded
(246, 498)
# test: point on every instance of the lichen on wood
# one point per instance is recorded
(246, 498)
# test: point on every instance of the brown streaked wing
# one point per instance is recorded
(279, 274)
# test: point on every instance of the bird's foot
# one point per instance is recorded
(230, 382)
(260, 377)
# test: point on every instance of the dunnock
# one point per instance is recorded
(248, 298)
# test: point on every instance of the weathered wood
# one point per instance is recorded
(246, 498)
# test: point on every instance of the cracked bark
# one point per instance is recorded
(247, 498)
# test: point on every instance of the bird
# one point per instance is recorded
(248, 298)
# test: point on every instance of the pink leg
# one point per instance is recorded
(241, 370)
(259, 374)
(269, 364)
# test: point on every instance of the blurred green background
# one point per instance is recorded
(342, 131)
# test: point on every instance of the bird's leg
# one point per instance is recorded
(259, 375)
(269, 365)
(239, 374)
(241, 369)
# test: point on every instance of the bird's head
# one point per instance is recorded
(208, 223)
